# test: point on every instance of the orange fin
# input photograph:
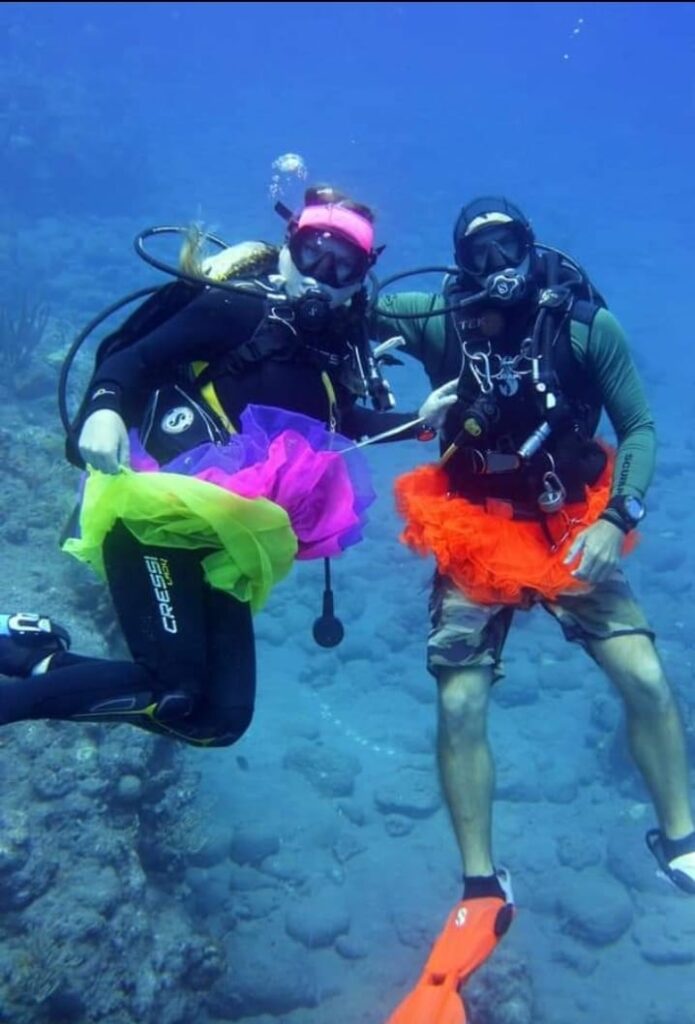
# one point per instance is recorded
(429, 1004)
(472, 930)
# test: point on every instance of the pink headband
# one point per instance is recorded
(348, 223)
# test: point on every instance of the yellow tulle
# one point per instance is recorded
(253, 541)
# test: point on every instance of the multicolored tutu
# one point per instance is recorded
(284, 488)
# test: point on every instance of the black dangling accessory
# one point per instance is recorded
(328, 629)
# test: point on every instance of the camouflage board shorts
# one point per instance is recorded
(465, 634)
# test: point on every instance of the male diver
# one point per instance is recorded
(527, 507)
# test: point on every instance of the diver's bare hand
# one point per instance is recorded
(600, 547)
(103, 441)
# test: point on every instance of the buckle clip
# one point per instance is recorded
(27, 623)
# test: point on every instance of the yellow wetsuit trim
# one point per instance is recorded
(150, 713)
(332, 402)
(147, 712)
(210, 395)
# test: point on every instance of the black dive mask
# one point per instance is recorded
(499, 258)
(328, 257)
(492, 248)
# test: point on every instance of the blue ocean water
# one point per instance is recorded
(115, 116)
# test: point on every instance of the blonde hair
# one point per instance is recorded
(245, 259)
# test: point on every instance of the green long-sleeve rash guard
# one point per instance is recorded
(601, 351)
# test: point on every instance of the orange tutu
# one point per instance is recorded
(493, 559)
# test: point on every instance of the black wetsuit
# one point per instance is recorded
(197, 683)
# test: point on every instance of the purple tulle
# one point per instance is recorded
(292, 460)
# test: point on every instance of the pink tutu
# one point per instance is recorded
(291, 460)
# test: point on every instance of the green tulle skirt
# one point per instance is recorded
(254, 545)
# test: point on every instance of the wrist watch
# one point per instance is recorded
(625, 511)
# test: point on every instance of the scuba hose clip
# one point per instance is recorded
(479, 362)
(371, 382)
(381, 395)
(379, 389)
(277, 314)
(536, 381)
(553, 496)
(367, 360)
(535, 358)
